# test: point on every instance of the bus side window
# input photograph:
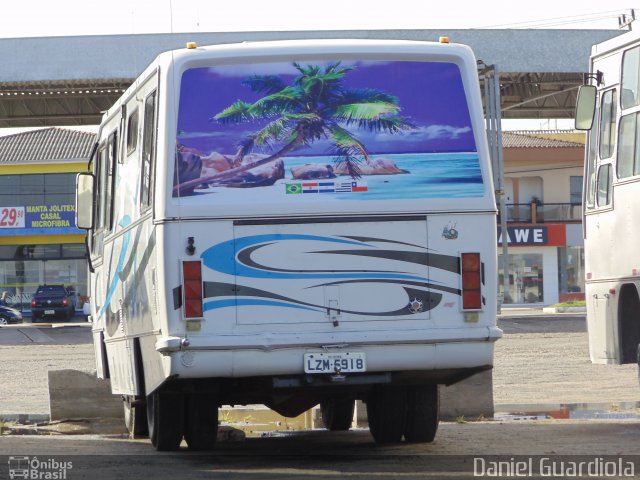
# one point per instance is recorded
(132, 132)
(100, 195)
(111, 161)
(592, 157)
(604, 185)
(627, 145)
(148, 150)
(631, 78)
(608, 110)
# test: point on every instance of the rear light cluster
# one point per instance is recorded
(192, 288)
(471, 281)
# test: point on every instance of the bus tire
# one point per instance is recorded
(337, 413)
(386, 411)
(135, 416)
(165, 416)
(422, 414)
(201, 421)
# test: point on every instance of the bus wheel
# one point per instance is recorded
(386, 410)
(422, 414)
(337, 413)
(135, 416)
(165, 416)
(201, 421)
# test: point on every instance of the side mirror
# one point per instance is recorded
(585, 107)
(85, 185)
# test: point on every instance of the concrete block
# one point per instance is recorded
(77, 394)
(471, 398)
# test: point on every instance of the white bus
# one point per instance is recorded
(609, 108)
(292, 224)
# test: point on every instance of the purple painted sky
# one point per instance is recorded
(430, 95)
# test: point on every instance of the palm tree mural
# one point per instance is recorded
(316, 106)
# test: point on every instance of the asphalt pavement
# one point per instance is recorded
(73, 332)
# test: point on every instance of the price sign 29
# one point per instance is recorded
(11, 217)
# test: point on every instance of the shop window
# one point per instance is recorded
(42, 252)
(24, 267)
(73, 250)
(571, 273)
(37, 189)
(526, 281)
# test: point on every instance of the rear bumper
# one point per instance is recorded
(415, 355)
(275, 341)
(57, 311)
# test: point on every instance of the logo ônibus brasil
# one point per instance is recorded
(36, 469)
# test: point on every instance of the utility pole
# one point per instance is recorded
(493, 124)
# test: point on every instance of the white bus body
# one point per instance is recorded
(294, 223)
(612, 205)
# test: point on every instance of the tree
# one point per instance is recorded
(315, 106)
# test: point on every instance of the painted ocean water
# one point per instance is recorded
(431, 175)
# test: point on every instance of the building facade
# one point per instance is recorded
(39, 243)
(543, 184)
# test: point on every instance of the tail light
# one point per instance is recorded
(471, 281)
(33, 303)
(65, 302)
(192, 288)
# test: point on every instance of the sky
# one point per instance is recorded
(37, 18)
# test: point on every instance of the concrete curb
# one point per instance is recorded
(47, 325)
(564, 310)
(544, 312)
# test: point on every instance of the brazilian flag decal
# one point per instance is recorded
(294, 188)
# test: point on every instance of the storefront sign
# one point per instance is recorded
(547, 235)
(38, 219)
(12, 217)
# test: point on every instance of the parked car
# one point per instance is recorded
(52, 301)
(9, 315)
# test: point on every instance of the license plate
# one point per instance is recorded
(49, 312)
(343, 362)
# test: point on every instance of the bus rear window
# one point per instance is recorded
(311, 131)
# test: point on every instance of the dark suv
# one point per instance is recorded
(52, 301)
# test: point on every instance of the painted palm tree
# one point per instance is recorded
(314, 107)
